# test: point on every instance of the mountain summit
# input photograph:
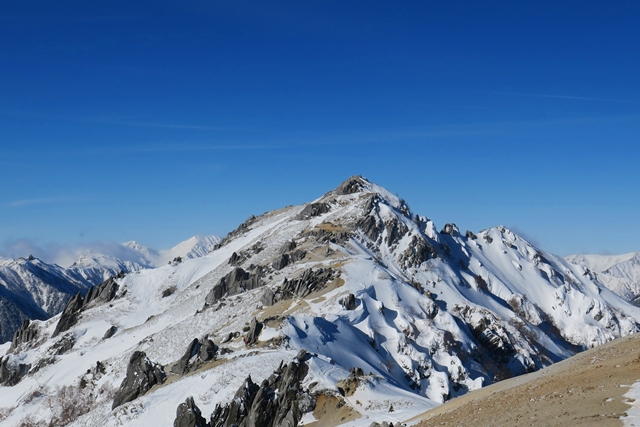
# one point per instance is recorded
(348, 309)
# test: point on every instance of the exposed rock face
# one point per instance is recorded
(471, 235)
(189, 415)
(25, 334)
(349, 302)
(12, 372)
(313, 210)
(207, 351)
(260, 406)
(235, 282)
(254, 331)
(351, 185)
(100, 294)
(288, 258)
(142, 374)
(182, 366)
(110, 332)
(310, 281)
(449, 229)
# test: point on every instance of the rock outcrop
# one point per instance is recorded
(310, 281)
(104, 292)
(11, 371)
(260, 406)
(189, 415)
(142, 374)
(235, 282)
(313, 210)
(27, 333)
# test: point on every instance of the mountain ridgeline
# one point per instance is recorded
(349, 308)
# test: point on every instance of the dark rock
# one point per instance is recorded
(11, 372)
(310, 280)
(142, 374)
(349, 302)
(449, 229)
(168, 292)
(260, 406)
(281, 262)
(417, 252)
(181, 367)
(25, 334)
(235, 282)
(104, 292)
(254, 331)
(63, 345)
(351, 185)
(288, 247)
(207, 351)
(487, 238)
(110, 332)
(189, 415)
(236, 259)
(268, 297)
(69, 316)
(313, 210)
(470, 235)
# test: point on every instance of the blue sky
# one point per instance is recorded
(156, 121)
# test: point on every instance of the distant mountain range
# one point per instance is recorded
(349, 309)
(620, 273)
(33, 289)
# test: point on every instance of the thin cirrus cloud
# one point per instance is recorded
(577, 98)
(40, 201)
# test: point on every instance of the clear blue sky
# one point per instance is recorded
(155, 121)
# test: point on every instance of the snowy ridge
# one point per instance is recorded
(355, 279)
(620, 273)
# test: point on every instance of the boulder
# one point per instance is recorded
(142, 374)
(181, 367)
(11, 371)
(349, 302)
(207, 351)
(189, 415)
(254, 331)
(110, 332)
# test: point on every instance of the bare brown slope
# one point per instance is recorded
(585, 390)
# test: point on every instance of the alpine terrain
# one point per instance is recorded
(346, 310)
(31, 289)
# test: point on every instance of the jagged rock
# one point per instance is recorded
(63, 345)
(349, 302)
(254, 331)
(449, 229)
(104, 292)
(260, 406)
(25, 334)
(417, 252)
(309, 281)
(288, 247)
(181, 367)
(110, 332)
(69, 315)
(347, 387)
(351, 185)
(189, 415)
(281, 262)
(313, 210)
(235, 282)
(470, 235)
(11, 372)
(236, 259)
(268, 297)
(487, 238)
(207, 351)
(142, 374)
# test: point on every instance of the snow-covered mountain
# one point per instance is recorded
(194, 247)
(620, 273)
(33, 289)
(348, 310)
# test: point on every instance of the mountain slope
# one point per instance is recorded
(395, 318)
(33, 289)
(620, 273)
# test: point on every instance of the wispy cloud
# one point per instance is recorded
(577, 98)
(41, 201)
